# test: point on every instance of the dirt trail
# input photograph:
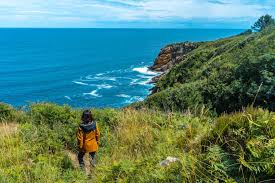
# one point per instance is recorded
(73, 157)
(7, 129)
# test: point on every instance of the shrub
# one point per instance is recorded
(6, 112)
(249, 139)
(51, 114)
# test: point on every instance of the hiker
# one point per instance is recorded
(87, 138)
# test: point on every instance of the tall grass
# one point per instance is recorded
(235, 147)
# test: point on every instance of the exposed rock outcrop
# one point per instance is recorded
(168, 161)
(171, 55)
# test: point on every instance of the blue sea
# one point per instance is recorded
(85, 67)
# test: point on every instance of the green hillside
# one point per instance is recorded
(224, 75)
(39, 145)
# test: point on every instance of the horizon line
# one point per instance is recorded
(119, 28)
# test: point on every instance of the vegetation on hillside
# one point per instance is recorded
(263, 22)
(224, 75)
(38, 142)
(236, 147)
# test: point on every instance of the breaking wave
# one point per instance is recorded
(144, 70)
(93, 93)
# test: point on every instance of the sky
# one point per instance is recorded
(133, 13)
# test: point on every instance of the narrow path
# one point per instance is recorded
(73, 157)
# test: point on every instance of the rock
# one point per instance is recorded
(171, 55)
(155, 79)
(168, 161)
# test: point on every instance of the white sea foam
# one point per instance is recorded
(144, 82)
(141, 81)
(89, 77)
(96, 78)
(106, 78)
(100, 74)
(93, 93)
(123, 96)
(145, 71)
(80, 83)
(133, 82)
(67, 97)
(133, 99)
(145, 76)
(104, 86)
(126, 78)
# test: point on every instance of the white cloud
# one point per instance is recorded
(129, 10)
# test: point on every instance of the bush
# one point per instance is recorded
(6, 112)
(177, 99)
(249, 140)
(51, 114)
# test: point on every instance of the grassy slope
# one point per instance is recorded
(236, 147)
(224, 75)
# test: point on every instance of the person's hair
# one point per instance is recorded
(87, 116)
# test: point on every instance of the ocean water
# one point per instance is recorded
(85, 67)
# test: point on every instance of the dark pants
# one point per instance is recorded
(80, 157)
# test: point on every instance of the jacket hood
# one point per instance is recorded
(88, 127)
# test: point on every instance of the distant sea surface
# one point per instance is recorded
(85, 67)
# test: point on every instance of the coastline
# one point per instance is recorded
(58, 73)
(169, 56)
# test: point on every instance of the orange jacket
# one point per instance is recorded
(88, 137)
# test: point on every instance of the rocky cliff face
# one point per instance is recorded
(171, 55)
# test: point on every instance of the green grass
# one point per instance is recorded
(236, 147)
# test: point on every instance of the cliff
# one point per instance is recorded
(172, 54)
(169, 56)
(225, 75)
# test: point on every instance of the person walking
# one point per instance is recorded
(88, 136)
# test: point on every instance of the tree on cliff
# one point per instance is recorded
(263, 22)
